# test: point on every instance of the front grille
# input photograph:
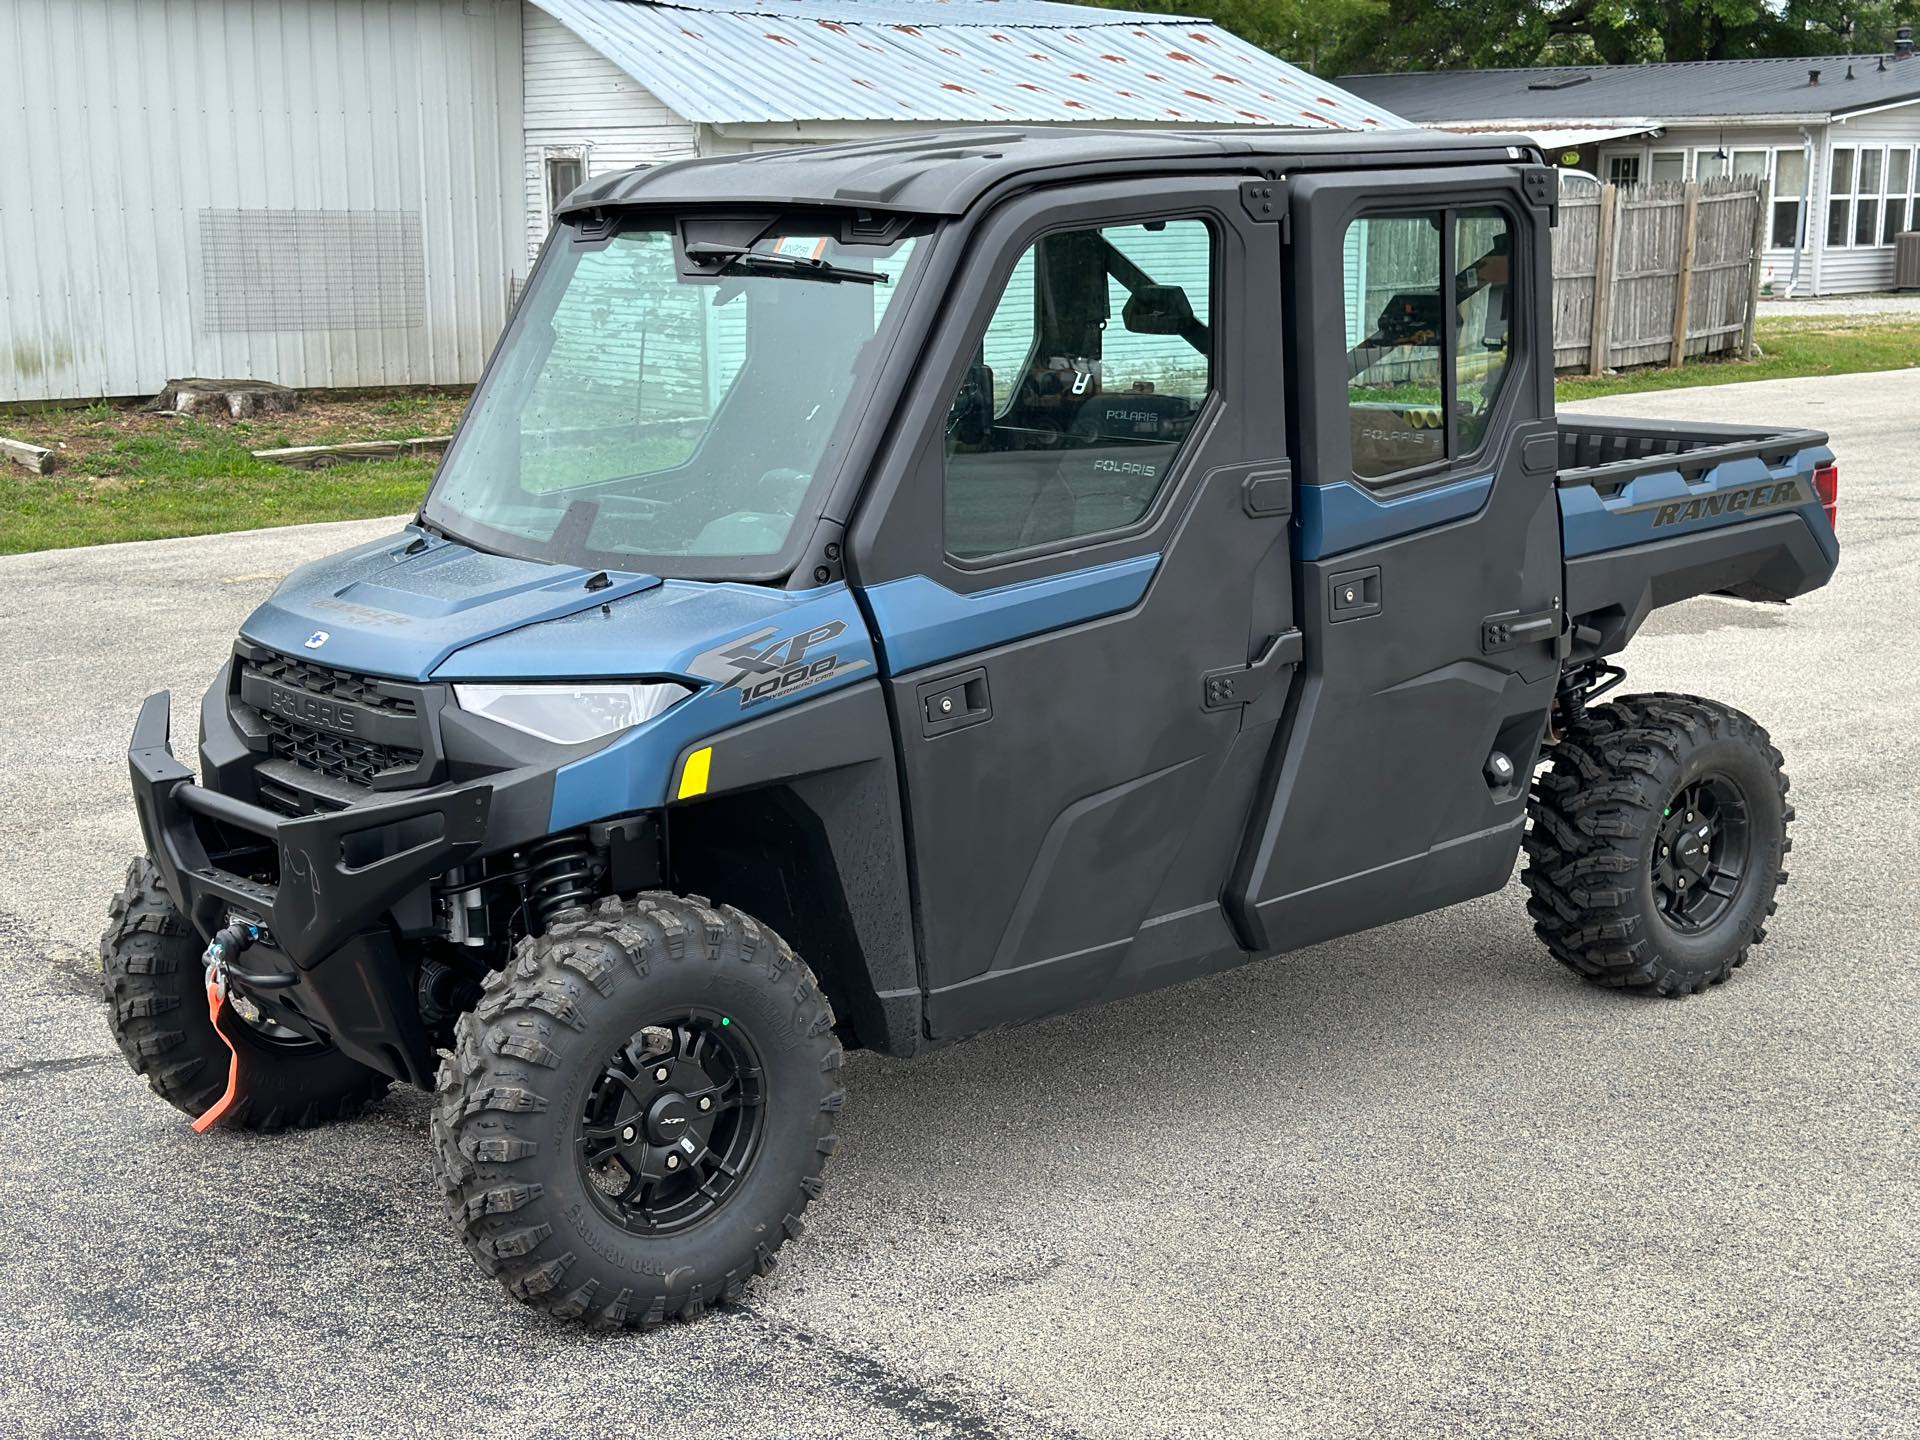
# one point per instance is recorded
(335, 684)
(339, 756)
(359, 730)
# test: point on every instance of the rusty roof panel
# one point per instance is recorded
(948, 61)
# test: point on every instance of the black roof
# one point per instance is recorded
(1698, 89)
(943, 172)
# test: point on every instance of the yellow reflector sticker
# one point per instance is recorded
(693, 779)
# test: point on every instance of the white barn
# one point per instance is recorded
(348, 193)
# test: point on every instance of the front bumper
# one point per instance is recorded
(323, 885)
(338, 872)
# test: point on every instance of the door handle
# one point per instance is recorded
(1504, 632)
(953, 703)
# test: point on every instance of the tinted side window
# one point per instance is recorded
(1395, 360)
(1429, 306)
(1483, 245)
(1095, 363)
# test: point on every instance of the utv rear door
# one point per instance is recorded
(1071, 558)
(1428, 549)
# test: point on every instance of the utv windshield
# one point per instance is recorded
(668, 407)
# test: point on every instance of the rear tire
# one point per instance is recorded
(581, 1168)
(1655, 844)
(157, 1008)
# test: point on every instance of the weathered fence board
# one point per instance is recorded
(1656, 273)
(1576, 264)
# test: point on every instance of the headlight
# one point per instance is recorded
(569, 714)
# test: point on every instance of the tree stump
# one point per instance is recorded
(239, 399)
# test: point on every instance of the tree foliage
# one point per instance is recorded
(1338, 37)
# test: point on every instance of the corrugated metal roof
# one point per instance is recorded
(923, 12)
(952, 61)
(1693, 89)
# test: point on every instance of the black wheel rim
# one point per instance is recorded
(673, 1124)
(1701, 855)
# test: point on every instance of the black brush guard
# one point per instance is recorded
(339, 874)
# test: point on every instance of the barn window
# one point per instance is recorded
(566, 172)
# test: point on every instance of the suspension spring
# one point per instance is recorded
(1579, 687)
(560, 876)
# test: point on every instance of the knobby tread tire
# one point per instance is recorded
(157, 1009)
(502, 1126)
(1593, 815)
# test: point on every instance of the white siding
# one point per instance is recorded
(1851, 269)
(131, 128)
(576, 99)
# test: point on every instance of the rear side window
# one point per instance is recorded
(1094, 366)
(1429, 315)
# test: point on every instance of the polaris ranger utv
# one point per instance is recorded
(888, 591)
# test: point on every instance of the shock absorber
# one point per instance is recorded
(560, 875)
(1580, 685)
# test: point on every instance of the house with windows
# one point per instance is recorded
(1836, 137)
(343, 194)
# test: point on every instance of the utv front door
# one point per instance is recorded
(1429, 549)
(1075, 555)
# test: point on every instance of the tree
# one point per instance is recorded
(1338, 37)
(1310, 33)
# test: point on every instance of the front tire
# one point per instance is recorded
(156, 994)
(1655, 844)
(637, 1113)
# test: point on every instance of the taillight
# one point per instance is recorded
(1826, 484)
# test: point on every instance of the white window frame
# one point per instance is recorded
(579, 154)
(1853, 195)
(1635, 153)
(1691, 158)
(1903, 197)
(1657, 153)
(1780, 198)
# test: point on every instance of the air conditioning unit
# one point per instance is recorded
(1906, 261)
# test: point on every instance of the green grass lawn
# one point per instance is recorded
(1791, 346)
(200, 492)
(125, 475)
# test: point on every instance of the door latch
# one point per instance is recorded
(1499, 633)
(954, 703)
(1243, 684)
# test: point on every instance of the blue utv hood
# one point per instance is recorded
(389, 609)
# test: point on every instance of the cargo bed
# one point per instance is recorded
(1654, 512)
(1606, 451)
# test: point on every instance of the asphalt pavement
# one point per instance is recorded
(1416, 1182)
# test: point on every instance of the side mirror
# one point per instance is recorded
(970, 417)
(1158, 310)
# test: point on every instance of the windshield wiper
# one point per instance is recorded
(772, 262)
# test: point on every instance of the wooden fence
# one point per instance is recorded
(1656, 273)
